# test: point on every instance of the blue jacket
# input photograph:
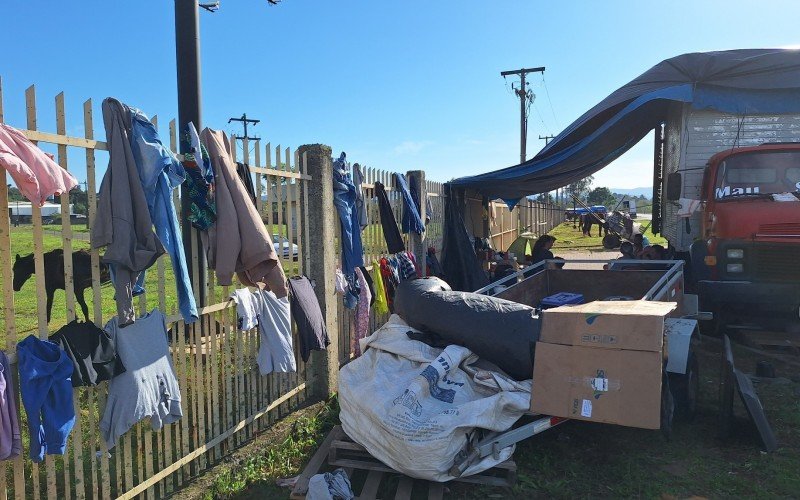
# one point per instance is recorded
(160, 172)
(45, 381)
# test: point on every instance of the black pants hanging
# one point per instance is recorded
(391, 232)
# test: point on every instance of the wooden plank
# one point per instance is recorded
(280, 173)
(371, 485)
(404, 488)
(63, 140)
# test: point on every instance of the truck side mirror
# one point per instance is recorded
(674, 185)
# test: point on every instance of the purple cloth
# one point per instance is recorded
(10, 442)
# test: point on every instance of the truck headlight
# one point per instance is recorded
(735, 268)
(735, 253)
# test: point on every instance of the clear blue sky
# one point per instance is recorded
(397, 85)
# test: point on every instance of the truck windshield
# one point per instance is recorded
(758, 173)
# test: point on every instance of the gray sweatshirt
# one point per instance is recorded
(148, 388)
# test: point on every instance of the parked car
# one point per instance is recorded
(285, 248)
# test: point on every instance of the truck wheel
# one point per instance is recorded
(667, 407)
(611, 241)
(685, 388)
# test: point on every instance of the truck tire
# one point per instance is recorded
(611, 241)
(685, 389)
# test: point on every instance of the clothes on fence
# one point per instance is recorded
(246, 176)
(340, 283)
(199, 181)
(311, 330)
(390, 281)
(10, 439)
(344, 198)
(92, 352)
(370, 284)
(160, 172)
(411, 219)
(413, 187)
(123, 224)
(35, 173)
(239, 241)
(361, 206)
(46, 389)
(362, 312)
(330, 486)
(434, 268)
(405, 263)
(246, 308)
(381, 305)
(149, 387)
(391, 233)
(272, 315)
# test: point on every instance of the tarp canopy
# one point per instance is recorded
(748, 81)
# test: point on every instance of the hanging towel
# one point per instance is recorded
(311, 329)
(36, 175)
(381, 305)
(46, 390)
(149, 387)
(10, 440)
(411, 219)
(239, 241)
(92, 352)
(391, 233)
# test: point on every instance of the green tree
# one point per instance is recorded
(79, 200)
(600, 196)
(581, 187)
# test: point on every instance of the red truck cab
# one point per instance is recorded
(750, 243)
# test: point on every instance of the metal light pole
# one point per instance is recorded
(187, 54)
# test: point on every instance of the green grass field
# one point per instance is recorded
(571, 238)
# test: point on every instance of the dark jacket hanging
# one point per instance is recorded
(394, 241)
(92, 352)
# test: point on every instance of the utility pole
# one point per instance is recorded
(522, 93)
(547, 138)
(187, 54)
(245, 120)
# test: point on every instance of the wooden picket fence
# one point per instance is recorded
(224, 398)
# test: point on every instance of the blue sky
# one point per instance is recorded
(397, 85)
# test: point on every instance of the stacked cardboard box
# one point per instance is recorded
(602, 362)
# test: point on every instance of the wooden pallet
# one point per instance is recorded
(338, 450)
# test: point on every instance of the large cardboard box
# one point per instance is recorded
(613, 386)
(602, 362)
(634, 324)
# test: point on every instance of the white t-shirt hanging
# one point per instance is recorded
(272, 315)
(246, 308)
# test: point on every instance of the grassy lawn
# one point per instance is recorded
(571, 238)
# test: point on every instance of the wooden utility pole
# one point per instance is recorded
(547, 138)
(522, 93)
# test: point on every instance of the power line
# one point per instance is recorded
(552, 110)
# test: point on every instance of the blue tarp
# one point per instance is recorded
(742, 82)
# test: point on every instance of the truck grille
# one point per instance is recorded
(781, 229)
(777, 263)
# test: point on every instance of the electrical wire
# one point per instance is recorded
(547, 93)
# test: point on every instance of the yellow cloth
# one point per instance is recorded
(381, 306)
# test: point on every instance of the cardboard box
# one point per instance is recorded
(614, 386)
(635, 324)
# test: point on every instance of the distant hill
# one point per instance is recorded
(641, 191)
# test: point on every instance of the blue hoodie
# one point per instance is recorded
(45, 373)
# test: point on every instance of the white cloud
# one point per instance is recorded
(410, 147)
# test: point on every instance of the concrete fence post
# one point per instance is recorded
(321, 213)
(418, 242)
